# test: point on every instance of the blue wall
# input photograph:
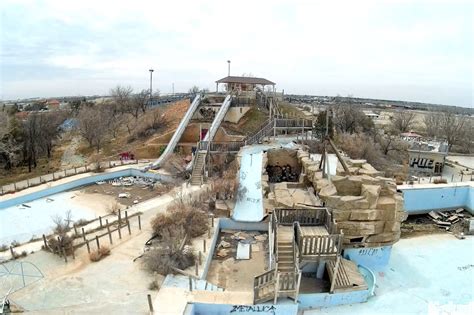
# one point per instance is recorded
(314, 300)
(288, 308)
(78, 183)
(374, 258)
(424, 200)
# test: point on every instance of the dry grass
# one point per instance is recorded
(97, 255)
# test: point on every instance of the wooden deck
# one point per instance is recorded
(314, 230)
(348, 277)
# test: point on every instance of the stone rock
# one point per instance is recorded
(384, 237)
(357, 163)
(261, 237)
(399, 203)
(361, 227)
(222, 253)
(280, 186)
(367, 166)
(369, 180)
(371, 193)
(341, 215)
(224, 244)
(392, 226)
(370, 173)
(401, 216)
(349, 202)
(386, 203)
(333, 202)
(365, 215)
(348, 185)
(329, 190)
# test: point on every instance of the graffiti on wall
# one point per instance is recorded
(253, 308)
(425, 164)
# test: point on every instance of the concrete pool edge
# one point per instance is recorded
(74, 182)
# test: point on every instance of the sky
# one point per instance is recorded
(391, 49)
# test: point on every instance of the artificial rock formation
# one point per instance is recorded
(366, 206)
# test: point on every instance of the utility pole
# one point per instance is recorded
(151, 86)
(228, 68)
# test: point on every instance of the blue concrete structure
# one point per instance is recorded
(423, 199)
(373, 258)
(81, 182)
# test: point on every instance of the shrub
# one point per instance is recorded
(100, 253)
(440, 181)
(14, 243)
(193, 221)
(154, 285)
(163, 260)
(3, 247)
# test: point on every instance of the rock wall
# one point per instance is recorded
(365, 205)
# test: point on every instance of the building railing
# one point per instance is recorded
(224, 146)
(317, 246)
(316, 216)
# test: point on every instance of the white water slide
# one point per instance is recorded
(177, 134)
(218, 119)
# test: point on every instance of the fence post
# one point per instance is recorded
(64, 254)
(120, 232)
(14, 186)
(75, 229)
(128, 226)
(197, 269)
(126, 215)
(200, 258)
(12, 252)
(75, 170)
(88, 247)
(45, 243)
(83, 234)
(190, 284)
(65, 174)
(108, 231)
(100, 221)
(139, 223)
(97, 241)
(27, 182)
(72, 251)
(204, 245)
(150, 304)
(53, 176)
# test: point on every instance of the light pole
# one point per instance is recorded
(228, 68)
(151, 86)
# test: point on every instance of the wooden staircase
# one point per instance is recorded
(196, 175)
(286, 262)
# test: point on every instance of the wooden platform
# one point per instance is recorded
(314, 230)
(348, 277)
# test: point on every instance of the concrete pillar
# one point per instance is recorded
(320, 270)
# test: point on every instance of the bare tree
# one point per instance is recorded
(452, 127)
(9, 146)
(121, 96)
(432, 123)
(403, 120)
(93, 125)
(139, 103)
(347, 118)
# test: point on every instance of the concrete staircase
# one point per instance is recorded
(286, 262)
(196, 175)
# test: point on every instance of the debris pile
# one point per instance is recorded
(278, 174)
(229, 240)
(452, 221)
(129, 181)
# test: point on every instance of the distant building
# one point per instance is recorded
(427, 157)
(371, 114)
(53, 104)
(243, 83)
(410, 136)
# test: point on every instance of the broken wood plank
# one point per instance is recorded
(434, 215)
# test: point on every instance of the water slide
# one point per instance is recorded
(215, 124)
(177, 134)
(218, 119)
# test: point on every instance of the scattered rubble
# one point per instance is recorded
(229, 241)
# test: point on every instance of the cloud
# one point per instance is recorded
(365, 48)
